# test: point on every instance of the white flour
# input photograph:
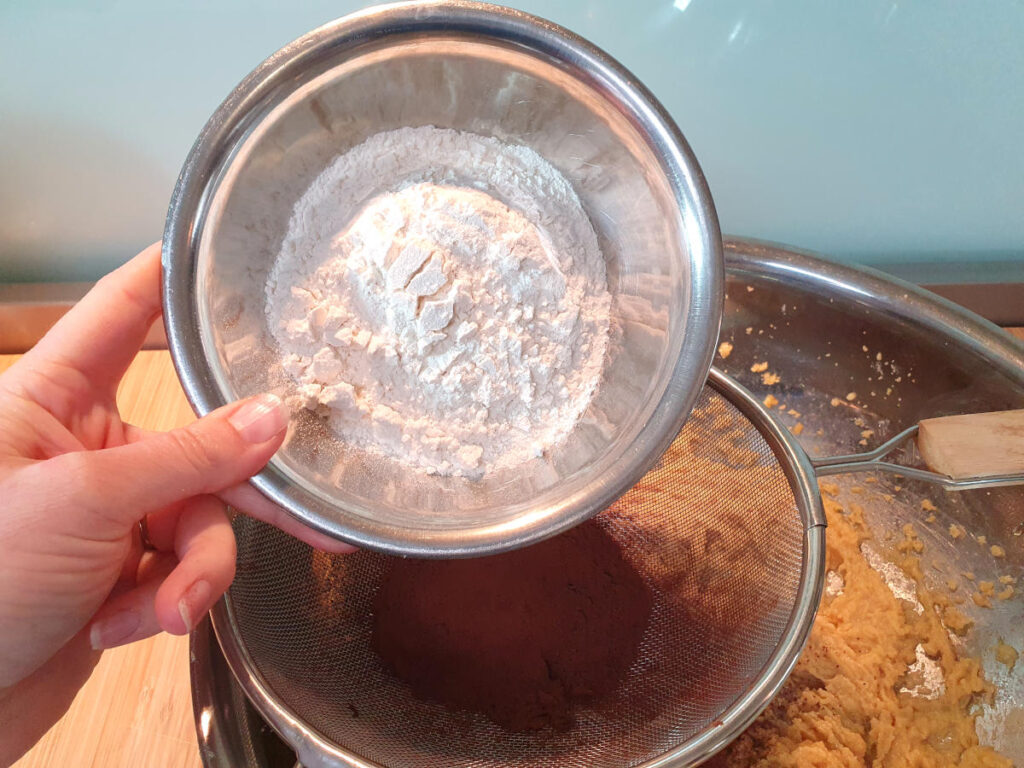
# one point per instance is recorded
(441, 298)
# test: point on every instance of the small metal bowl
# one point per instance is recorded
(486, 70)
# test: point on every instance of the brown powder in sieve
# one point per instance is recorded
(523, 637)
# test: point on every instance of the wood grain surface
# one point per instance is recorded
(136, 709)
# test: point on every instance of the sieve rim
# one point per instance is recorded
(312, 746)
(689, 356)
(800, 473)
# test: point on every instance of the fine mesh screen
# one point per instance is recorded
(714, 529)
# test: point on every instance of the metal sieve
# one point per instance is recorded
(728, 531)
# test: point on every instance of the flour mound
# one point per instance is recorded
(441, 298)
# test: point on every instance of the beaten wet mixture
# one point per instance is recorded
(844, 705)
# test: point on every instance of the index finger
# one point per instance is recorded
(101, 334)
(246, 499)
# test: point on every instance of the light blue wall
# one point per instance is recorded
(881, 131)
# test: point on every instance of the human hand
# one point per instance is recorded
(75, 481)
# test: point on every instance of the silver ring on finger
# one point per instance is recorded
(144, 534)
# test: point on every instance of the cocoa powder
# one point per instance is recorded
(525, 637)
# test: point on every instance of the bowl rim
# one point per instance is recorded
(231, 123)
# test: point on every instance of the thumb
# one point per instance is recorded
(219, 450)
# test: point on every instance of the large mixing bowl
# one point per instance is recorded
(803, 310)
(489, 71)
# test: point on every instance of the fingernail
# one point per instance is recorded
(194, 603)
(260, 418)
(113, 630)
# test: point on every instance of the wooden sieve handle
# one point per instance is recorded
(974, 445)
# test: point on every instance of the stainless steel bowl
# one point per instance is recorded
(490, 71)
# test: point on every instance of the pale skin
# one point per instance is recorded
(76, 480)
